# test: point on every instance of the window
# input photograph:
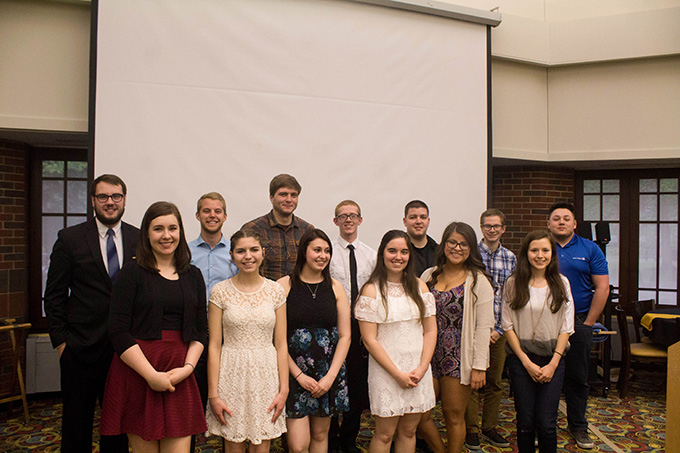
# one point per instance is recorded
(59, 198)
(641, 207)
(602, 203)
(658, 240)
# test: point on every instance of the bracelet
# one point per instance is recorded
(299, 374)
(559, 354)
(192, 367)
(212, 397)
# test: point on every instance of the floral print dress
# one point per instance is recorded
(312, 337)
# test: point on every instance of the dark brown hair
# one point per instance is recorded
(306, 238)
(284, 180)
(473, 263)
(517, 292)
(409, 280)
(109, 179)
(145, 256)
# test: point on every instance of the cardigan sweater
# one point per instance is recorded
(134, 315)
(478, 320)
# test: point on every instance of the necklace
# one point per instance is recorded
(535, 324)
(316, 288)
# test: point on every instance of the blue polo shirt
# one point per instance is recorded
(215, 264)
(579, 260)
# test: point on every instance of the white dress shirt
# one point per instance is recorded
(366, 258)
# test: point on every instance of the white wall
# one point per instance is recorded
(44, 65)
(546, 106)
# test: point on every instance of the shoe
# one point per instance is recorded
(495, 438)
(583, 439)
(472, 441)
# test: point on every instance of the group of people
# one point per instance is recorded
(282, 330)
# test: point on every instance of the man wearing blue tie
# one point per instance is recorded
(83, 266)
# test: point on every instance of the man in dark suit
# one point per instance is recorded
(83, 265)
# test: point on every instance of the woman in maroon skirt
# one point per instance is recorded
(158, 328)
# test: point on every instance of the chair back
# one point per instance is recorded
(622, 321)
(638, 309)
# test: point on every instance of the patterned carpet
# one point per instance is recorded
(634, 424)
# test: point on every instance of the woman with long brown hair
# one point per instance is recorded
(396, 317)
(538, 318)
(158, 328)
(464, 298)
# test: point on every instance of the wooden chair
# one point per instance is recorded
(8, 325)
(638, 308)
(638, 352)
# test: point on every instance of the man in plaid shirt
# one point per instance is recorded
(280, 231)
(500, 262)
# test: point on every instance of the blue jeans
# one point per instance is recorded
(576, 388)
(536, 404)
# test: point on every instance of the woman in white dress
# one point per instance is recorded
(247, 352)
(396, 318)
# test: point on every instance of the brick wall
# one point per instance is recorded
(524, 194)
(13, 251)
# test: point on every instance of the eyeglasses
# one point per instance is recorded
(352, 217)
(103, 198)
(492, 227)
(463, 246)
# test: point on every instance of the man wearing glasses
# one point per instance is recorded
(83, 266)
(499, 262)
(351, 264)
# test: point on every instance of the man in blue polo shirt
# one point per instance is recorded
(210, 253)
(585, 266)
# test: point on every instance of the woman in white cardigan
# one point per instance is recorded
(464, 298)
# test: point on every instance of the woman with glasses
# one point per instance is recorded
(538, 318)
(464, 298)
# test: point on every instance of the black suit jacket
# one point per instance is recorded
(78, 290)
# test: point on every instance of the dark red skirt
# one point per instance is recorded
(132, 407)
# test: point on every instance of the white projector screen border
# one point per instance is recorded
(357, 101)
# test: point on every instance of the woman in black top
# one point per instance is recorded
(318, 319)
(158, 328)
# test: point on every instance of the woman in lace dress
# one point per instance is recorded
(396, 318)
(464, 297)
(318, 340)
(247, 352)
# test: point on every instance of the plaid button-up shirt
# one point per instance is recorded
(500, 265)
(280, 243)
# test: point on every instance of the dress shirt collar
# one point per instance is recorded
(485, 248)
(343, 243)
(200, 242)
(102, 229)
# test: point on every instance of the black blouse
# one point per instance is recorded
(137, 314)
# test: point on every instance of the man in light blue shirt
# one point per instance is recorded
(210, 250)
(210, 253)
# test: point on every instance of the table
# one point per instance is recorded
(661, 327)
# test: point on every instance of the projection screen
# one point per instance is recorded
(358, 101)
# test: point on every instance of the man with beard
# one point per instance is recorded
(83, 266)
(280, 231)
(210, 253)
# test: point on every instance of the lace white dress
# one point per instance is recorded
(249, 379)
(400, 333)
